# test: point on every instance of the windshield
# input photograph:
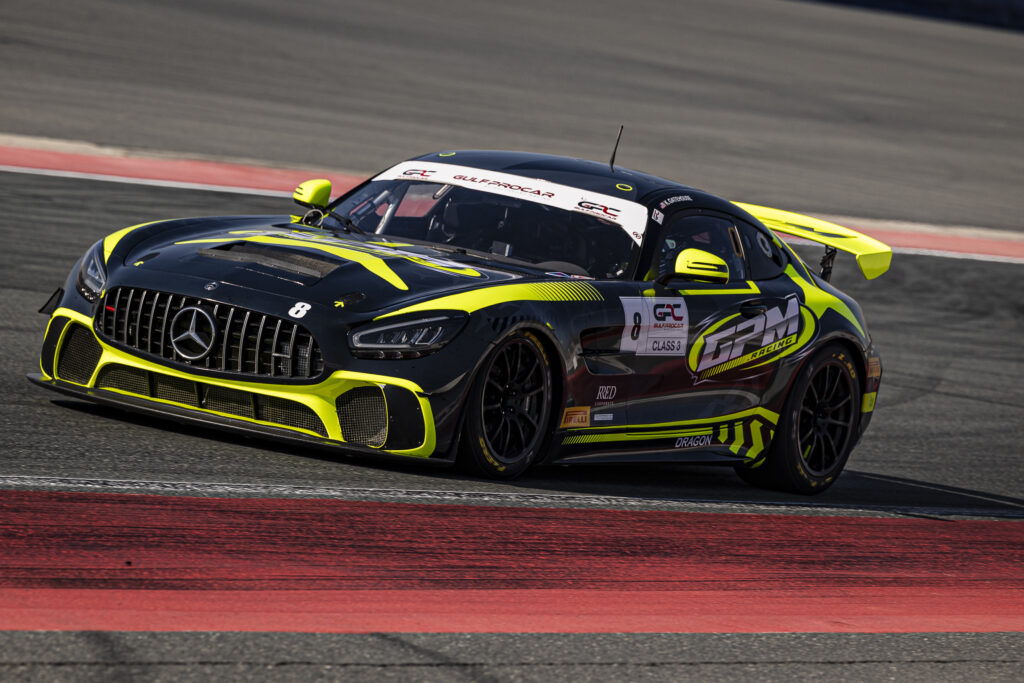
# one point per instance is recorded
(551, 238)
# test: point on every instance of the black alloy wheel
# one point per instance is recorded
(510, 408)
(826, 418)
(817, 429)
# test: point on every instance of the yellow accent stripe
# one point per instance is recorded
(111, 240)
(320, 398)
(469, 272)
(750, 288)
(746, 358)
(374, 264)
(764, 413)
(738, 438)
(636, 436)
(233, 416)
(751, 448)
(819, 301)
(757, 440)
(868, 403)
(48, 374)
(491, 296)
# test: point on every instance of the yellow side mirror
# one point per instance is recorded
(698, 265)
(315, 194)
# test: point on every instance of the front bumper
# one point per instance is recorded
(358, 412)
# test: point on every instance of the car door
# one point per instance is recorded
(672, 381)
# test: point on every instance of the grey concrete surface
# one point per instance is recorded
(85, 656)
(801, 105)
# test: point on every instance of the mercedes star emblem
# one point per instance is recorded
(192, 332)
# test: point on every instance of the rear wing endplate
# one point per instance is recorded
(873, 257)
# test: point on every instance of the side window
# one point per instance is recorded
(765, 255)
(710, 233)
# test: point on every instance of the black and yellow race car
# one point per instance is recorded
(497, 308)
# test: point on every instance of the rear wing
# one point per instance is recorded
(873, 257)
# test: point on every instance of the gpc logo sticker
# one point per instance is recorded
(665, 311)
(607, 211)
(654, 326)
(418, 173)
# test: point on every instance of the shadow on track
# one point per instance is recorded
(1006, 14)
(652, 484)
(946, 434)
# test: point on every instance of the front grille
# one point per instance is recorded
(234, 402)
(244, 342)
(363, 416)
(122, 377)
(174, 389)
(79, 355)
(283, 411)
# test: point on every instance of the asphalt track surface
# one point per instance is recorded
(801, 106)
(943, 447)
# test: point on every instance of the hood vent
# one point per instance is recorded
(273, 257)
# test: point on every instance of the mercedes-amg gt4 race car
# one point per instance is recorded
(497, 308)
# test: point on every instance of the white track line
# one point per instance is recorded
(958, 255)
(924, 229)
(917, 251)
(143, 181)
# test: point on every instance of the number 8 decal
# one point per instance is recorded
(635, 332)
(299, 309)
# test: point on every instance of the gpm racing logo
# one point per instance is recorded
(739, 342)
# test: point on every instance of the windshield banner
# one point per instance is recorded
(632, 217)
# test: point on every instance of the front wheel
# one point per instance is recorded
(817, 428)
(509, 408)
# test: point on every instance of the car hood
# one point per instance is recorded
(360, 274)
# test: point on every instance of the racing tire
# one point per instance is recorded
(817, 429)
(509, 410)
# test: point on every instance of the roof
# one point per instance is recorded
(588, 175)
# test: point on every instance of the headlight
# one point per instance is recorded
(409, 339)
(92, 276)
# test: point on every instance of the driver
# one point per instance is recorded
(708, 233)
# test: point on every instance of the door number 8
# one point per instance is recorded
(299, 309)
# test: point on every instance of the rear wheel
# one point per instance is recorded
(509, 408)
(817, 428)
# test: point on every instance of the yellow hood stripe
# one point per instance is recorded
(111, 240)
(490, 296)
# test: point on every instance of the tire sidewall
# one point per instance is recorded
(476, 448)
(786, 456)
